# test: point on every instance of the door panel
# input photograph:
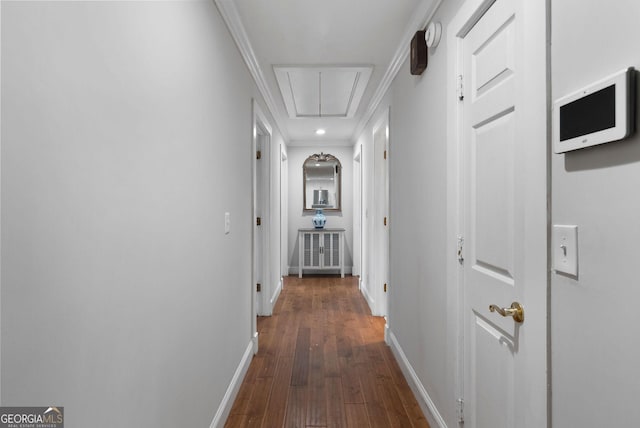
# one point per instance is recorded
(493, 60)
(492, 190)
(493, 362)
(315, 250)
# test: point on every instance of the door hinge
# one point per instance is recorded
(460, 410)
(385, 287)
(385, 221)
(460, 88)
(258, 287)
(258, 154)
(258, 221)
(385, 154)
(460, 249)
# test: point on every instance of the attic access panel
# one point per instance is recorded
(322, 91)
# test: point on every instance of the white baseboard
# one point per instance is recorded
(426, 403)
(368, 298)
(294, 270)
(276, 293)
(221, 415)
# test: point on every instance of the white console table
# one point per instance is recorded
(321, 249)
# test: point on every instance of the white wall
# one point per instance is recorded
(418, 300)
(126, 136)
(299, 219)
(595, 347)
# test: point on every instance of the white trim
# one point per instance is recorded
(224, 409)
(231, 17)
(262, 189)
(334, 143)
(426, 403)
(254, 342)
(276, 294)
(455, 226)
(369, 299)
(359, 84)
(421, 16)
(381, 274)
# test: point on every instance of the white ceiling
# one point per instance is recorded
(325, 91)
(318, 34)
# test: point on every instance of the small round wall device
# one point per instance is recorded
(432, 34)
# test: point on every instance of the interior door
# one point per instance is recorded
(381, 218)
(258, 225)
(497, 225)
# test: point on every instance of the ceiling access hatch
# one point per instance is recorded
(313, 91)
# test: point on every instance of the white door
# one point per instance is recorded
(258, 236)
(504, 240)
(381, 217)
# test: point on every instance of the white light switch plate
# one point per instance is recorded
(227, 223)
(565, 249)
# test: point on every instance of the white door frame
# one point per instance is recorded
(535, 65)
(284, 213)
(380, 267)
(357, 214)
(260, 128)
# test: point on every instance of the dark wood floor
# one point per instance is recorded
(322, 362)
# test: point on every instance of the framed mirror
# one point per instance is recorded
(322, 183)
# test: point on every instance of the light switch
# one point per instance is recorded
(227, 223)
(565, 249)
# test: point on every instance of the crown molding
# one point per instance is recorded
(231, 17)
(421, 17)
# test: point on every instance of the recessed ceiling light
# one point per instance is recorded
(320, 131)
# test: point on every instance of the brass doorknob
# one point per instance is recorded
(516, 311)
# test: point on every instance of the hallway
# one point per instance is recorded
(323, 362)
(152, 179)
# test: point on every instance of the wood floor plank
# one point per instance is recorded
(375, 407)
(236, 421)
(246, 389)
(317, 401)
(357, 415)
(408, 399)
(300, 375)
(296, 407)
(330, 349)
(377, 362)
(336, 416)
(351, 388)
(277, 405)
(322, 362)
(396, 412)
(259, 397)
(288, 328)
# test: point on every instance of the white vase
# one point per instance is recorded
(319, 219)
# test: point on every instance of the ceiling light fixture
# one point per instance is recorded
(320, 131)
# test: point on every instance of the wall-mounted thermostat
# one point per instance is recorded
(599, 113)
